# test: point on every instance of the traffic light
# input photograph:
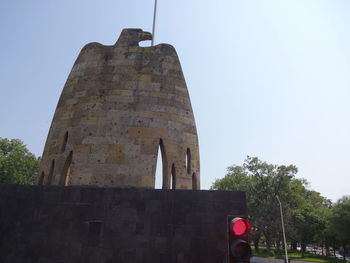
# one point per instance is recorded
(239, 248)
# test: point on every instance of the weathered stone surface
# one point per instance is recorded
(77, 224)
(119, 104)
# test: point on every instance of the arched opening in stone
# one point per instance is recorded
(194, 181)
(41, 178)
(159, 170)
(173, 177)
(52, 168)
(65, 179)
(188, 161)
(161, 167)
(64, 144)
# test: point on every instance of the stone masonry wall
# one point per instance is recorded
(54, 224)
(120, 104)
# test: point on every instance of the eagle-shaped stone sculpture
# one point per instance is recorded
(119, 106)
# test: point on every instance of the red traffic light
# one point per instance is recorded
(239, 249)
(240, 226)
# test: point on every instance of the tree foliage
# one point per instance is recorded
(338, 223)
(17, 164)
(304, 210)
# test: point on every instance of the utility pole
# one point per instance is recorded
(154, 22)
(284, 234)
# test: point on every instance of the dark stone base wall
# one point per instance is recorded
(112, 225)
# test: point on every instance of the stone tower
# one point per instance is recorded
(121, 104)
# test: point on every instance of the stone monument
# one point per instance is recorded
(119, 106)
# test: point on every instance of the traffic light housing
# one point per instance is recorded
(238, 243)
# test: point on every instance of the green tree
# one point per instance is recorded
(308, 221)
(338, 222)
(17, 164)
(236, 179)
(262, 183)
(269, 181)
(304, 211)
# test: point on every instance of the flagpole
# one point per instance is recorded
(154, 22)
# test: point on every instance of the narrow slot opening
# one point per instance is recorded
(173, 177)
(52, 168)
(66, 172)
(41, 178)
(64, 144)
(158, 184)
(194, 181)
(188, 161)
(161, 173)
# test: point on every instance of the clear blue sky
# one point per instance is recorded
(267, 78)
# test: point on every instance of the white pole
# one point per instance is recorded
(154, 22)
(284, 235)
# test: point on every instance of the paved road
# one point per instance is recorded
(271, 260)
